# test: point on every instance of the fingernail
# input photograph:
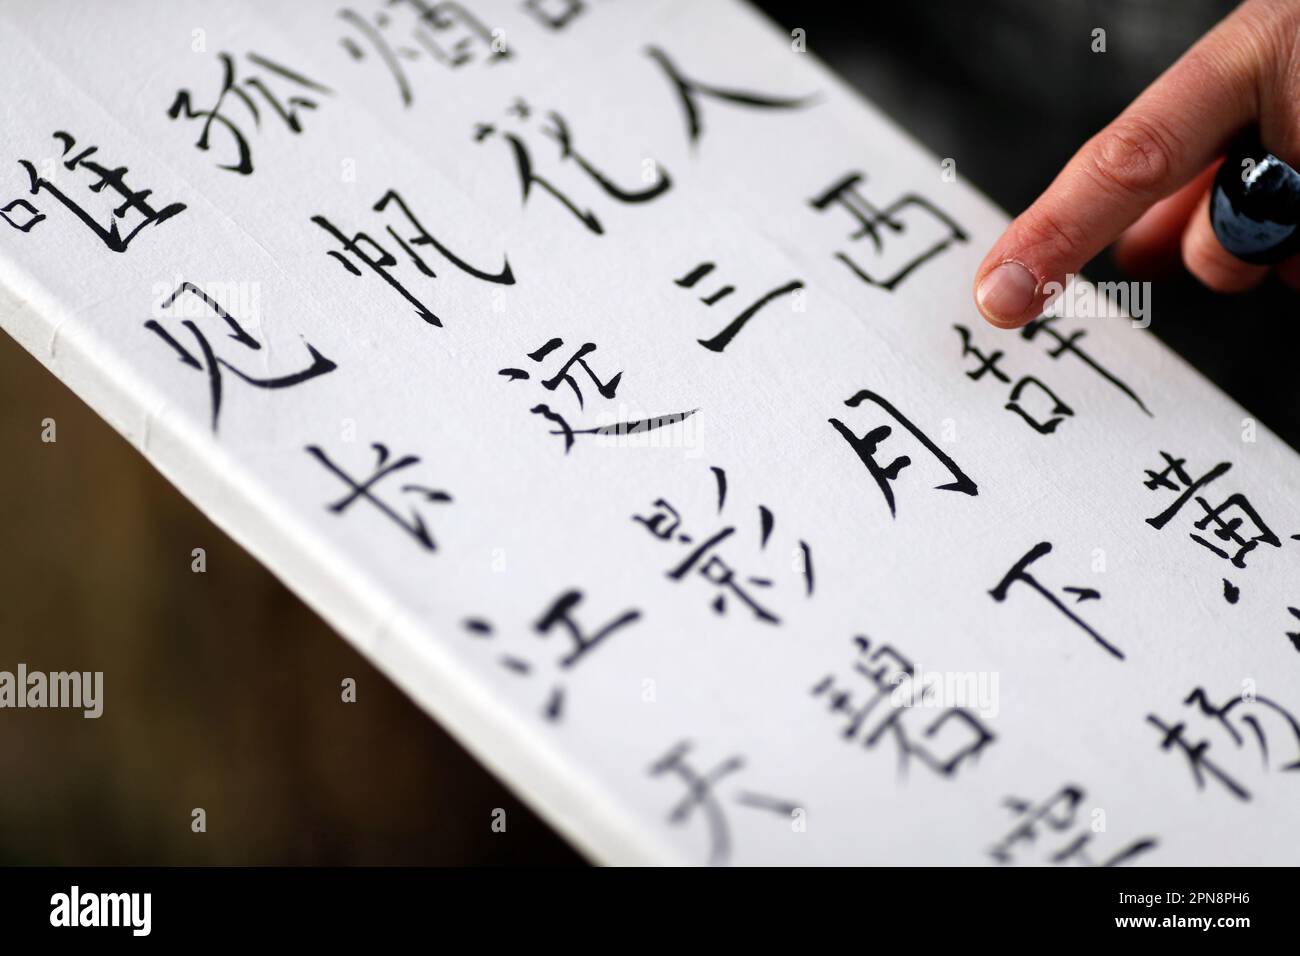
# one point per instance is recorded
(1005, 294)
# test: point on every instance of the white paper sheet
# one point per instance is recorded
(668, 672)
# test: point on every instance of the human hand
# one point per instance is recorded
(1145, 178)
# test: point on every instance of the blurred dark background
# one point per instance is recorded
(222, 689)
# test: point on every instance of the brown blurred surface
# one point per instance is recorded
(221, 689)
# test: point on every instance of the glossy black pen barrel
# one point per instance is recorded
(1255, 206)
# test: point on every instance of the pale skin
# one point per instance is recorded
(1143, 182)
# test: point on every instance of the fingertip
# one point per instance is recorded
(1007, 294)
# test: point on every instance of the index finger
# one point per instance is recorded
(1171, 132)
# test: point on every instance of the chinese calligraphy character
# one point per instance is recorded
(286, 109)
(212, 365)
(865, 447)
(364, 490)
(1020, 573)
(135, 202)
